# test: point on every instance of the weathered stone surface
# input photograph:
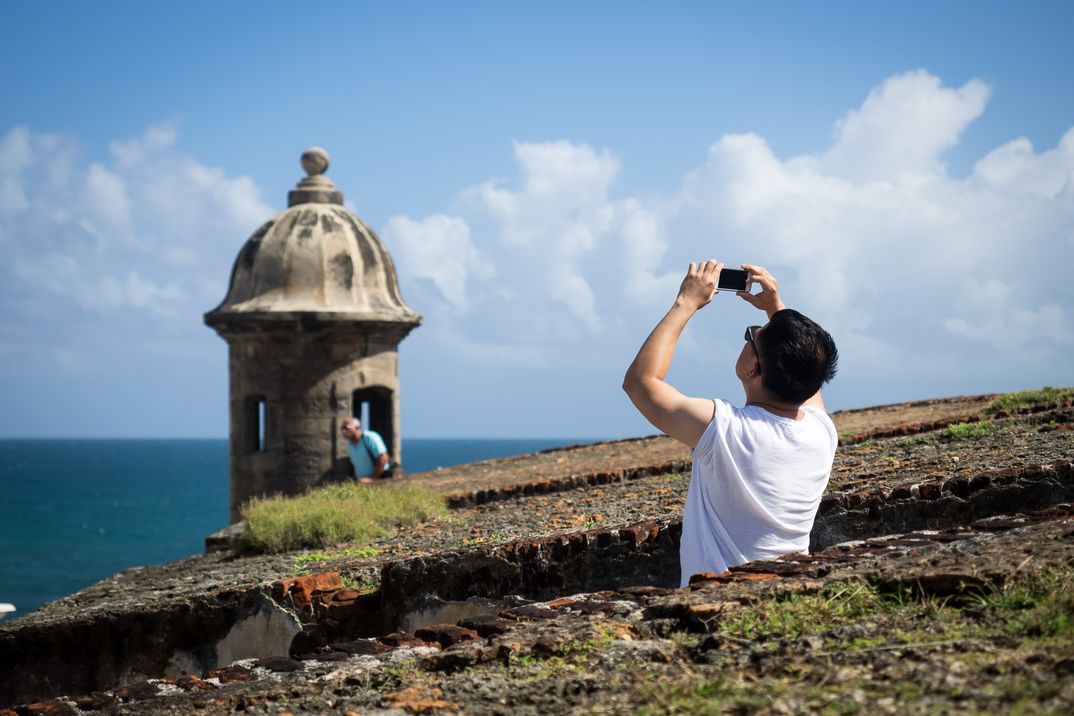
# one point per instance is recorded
(362, 647)
(446, 634)
(459, 656)
(279, 664)
(53, 707)
(230, 674)
(137, 692)
(547, 566)
(398, 639)
(418, 699)
(486, 625)
(193, 683)
(97, 702)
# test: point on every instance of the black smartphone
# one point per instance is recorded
(732, 280)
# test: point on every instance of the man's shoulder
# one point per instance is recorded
(374, 440)
(820, 414)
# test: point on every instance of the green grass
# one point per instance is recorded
(1040, 605)
(303, 562)
(365, 586)
(312, 557)
(1026, 398)
(799, 614)
(1037, 609)
(334, 515)
(964, 431)
(571, 658)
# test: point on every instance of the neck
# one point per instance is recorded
(762, 399)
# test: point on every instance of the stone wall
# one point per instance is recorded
(299, 615)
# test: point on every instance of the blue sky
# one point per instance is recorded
(542, 174)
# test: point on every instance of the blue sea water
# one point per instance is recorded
(75, 511)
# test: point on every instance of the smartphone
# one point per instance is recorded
(732, 280)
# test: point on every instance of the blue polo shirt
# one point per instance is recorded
(363, 466)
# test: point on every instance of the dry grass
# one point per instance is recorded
(1027, 398)
(335, 515)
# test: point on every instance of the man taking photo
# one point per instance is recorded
(759, 471)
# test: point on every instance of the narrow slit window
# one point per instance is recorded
(256, 424)
(262, 443)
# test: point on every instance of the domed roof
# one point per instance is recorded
(316, 260)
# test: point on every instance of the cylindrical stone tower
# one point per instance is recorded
(313, 319)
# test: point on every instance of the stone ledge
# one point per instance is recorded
(927, 426)
(561, 484)
(629, 620)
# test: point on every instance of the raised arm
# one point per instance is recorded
(769, 301)
(680, 416)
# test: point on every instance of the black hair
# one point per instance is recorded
(797, 356)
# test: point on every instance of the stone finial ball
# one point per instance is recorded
(314, 161)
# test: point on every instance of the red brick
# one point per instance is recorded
(193, 683)
(902, 492)
(137, 692)
(633, 535)
(94, 702)
(929, 490)
(229, 674)
(54, 707)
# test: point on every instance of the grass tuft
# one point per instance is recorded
(1036, 609)
(319, 556)
(963, 431)
(334, 515)
(837, 604)
(1026, 398)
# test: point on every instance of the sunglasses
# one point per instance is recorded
(751, 332)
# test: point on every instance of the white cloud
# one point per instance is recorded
(1015, 168)
(439, 248)
(141, 232)
(914, 271)
(105, 203)
(544, 232)
(903, 127)
(548, 280)
(992, 317)
(135, 151)
(15, 151)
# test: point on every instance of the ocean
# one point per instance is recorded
(73, 512)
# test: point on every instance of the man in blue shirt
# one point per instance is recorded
(367, 451)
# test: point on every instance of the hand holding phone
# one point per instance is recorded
(767, 299)
(732, 280)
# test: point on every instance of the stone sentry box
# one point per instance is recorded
(313, 319)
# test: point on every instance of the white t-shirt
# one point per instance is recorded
(755, 486)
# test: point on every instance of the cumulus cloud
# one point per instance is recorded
(131, 152)
(545, 282)
(920, 275)
(140, 232)
(993, 317)
(903, 128)
(439, 248)
(545, 230)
